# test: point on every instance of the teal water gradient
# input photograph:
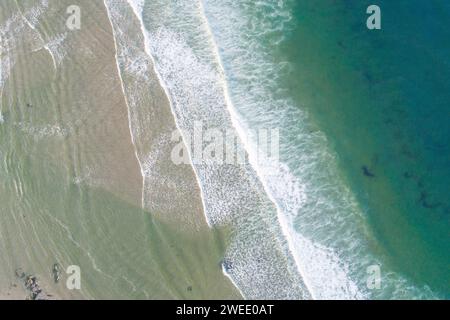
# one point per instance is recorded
(383, 100)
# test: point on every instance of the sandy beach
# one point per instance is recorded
(86, 173)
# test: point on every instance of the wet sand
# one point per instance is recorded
(86, 173)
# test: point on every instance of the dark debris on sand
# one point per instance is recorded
(31, 285)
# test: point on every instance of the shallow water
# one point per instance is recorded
(70, 186)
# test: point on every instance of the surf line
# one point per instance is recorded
(128, 105)
(189, 152)
(44, 45)
(252, 158)
(148, 50)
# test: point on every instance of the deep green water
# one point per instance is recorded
(382, 98)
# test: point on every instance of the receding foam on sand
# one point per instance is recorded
(86, 176)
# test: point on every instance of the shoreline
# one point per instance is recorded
(189, 47)
(149, 66)
(83, 188)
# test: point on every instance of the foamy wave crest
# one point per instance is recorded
(258, 259)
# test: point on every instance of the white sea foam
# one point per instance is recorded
(9, 30)
(130, 120)
(33, 14)
(6, 64)
(186, 64)
(43, 131)
(56, 48)
(13, 30)
(322, 269)
(55, 45)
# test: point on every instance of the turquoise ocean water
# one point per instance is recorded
(382, 99)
